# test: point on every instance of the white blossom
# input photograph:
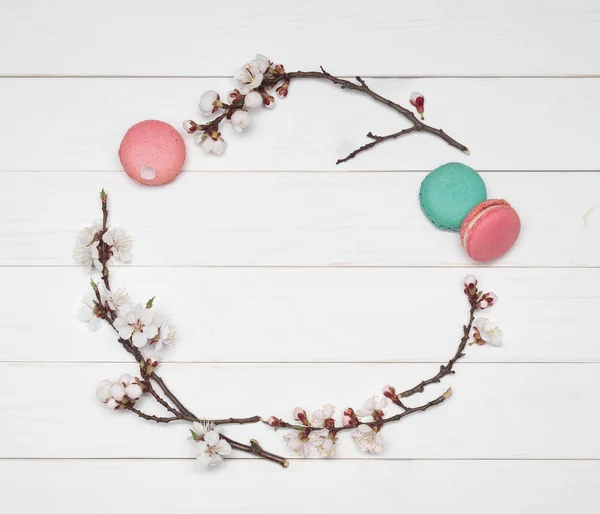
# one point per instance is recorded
(320, 416)
(120, 243)
(166, 333)
(189, 126)
(201, 429)
(262, 62)
(240, 120)
(133, 391)
(368, 439)
(486, 331)
(95, 255)
(324, 441)
(210, 145)
(136, 322)
(372, 407)
(103, 391)
(253, 99)
(88, 312)
(250, 76)
(112, 404)
(84, 241)
(115, 300)
(125, 379)
(212, 449)
(209, 102)
(117, 391)
(299, 443)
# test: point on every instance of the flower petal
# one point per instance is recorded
(94, 324)
(139, 340)
(223, 447)
(125, 331)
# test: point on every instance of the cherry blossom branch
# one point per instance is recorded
(446, 369)
(260, 76)
(138, 327)
(418, 125)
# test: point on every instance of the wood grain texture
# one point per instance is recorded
(552, 487)
(291, 219)
(497, 411)
(186, 37)
(335, 315)
(509, 124)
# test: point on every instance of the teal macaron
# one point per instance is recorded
(449, 192)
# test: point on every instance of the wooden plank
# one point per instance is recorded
(431, 37)
(335, 315)
(508, 124)
(498, 411)
(291, 219)
(552, 487)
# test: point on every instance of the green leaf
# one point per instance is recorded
(102, 194)
(195, 436)
(150, 303)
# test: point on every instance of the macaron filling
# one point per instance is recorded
(476, 218)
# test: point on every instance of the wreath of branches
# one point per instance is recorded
(143, 332)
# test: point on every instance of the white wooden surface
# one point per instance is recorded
(293, 281)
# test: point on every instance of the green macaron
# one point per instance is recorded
(449, 192)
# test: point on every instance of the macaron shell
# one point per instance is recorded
(152, 152)
(491, 233)
(449, 192)
(475, 211)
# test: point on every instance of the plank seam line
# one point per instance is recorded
(320, 461)
(276, 363)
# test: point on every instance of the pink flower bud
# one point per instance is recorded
(418, 101)
(470, 286)
(300, 415)
(112, 404)
(389, 392)
(274, 422)
(190, 126)
(482, 304)
(347, 421)
(470, 280)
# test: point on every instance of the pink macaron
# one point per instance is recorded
(152, 152)
(490, 230)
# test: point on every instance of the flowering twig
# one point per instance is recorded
(139, 329)
(261, 75)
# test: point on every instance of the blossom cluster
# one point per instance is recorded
(124, 391)
(484, 329)
(146, 329)
(92, 242)
(319, 433)
(210, 444)
(253, 82)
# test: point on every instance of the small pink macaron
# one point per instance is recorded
(152, 152)
(490, 230)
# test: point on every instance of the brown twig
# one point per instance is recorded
(447, 368)
(362, 87)
(256, 449)
(103, 250)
